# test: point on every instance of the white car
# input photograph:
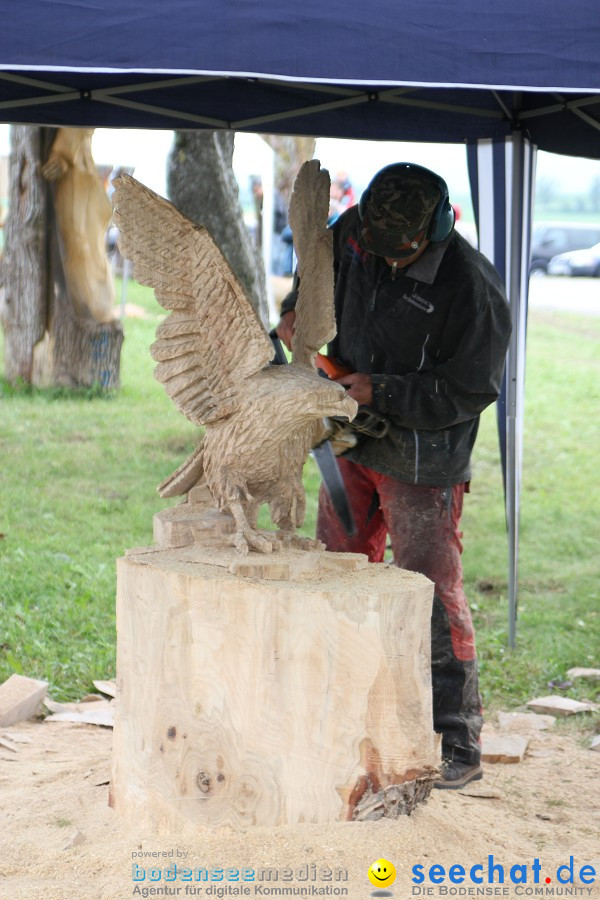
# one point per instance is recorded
(577, 262)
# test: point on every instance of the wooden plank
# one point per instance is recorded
(20, 699)
(505, 748)
(580, 672)
(559, 706)
(524, 723)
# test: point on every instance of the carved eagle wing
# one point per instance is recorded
(314, 325)
(213, 340)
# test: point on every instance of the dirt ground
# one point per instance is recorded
(60, 841)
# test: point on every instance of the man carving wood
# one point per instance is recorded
(423, 328)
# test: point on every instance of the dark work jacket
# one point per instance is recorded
(433, 340)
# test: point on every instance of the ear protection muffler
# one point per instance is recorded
(442, 219)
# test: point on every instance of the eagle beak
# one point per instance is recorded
(349, 407)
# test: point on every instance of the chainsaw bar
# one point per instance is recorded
(326, 462)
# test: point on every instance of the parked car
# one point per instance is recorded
(577, 262)
(553, 238)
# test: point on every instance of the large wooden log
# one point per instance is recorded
(269, 689)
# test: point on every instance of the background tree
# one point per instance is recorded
(201, 184)
(290, 152)
(25, 265)
(546, 191)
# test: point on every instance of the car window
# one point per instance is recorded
(555, 240)
(584, 237)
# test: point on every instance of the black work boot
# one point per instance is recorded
(454, 774)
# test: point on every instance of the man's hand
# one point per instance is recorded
(359, 387)
(285, 329)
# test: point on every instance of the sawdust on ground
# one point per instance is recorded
(60, 840)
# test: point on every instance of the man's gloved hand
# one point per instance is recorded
(340, 435)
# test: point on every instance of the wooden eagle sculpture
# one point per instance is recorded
(214, 357)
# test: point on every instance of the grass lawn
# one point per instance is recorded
(78, 486)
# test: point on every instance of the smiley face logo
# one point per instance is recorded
(382, 873)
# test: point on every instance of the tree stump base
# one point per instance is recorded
(268, 689)
(79, 353)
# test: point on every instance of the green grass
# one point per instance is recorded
(559, 618)
(78, 487)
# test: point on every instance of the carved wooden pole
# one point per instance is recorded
(56, 288)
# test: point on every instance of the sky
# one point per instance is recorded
(147, 151)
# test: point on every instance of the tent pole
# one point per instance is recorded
(512, 456)
(522, 174)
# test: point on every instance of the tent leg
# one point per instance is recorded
(502, 176)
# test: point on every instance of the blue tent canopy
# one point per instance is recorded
(430, 71)
(504, 78)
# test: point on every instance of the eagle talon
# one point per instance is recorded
(291, 539)
(251, 540)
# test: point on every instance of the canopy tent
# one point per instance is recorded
(504, 78)
(424, 72)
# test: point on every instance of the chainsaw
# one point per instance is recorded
(341, 433)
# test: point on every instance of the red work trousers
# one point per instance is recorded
(423, 525)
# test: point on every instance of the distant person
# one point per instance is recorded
(256, 188)
(282, 259)
(341, 196)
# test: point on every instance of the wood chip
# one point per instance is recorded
(20, 699)
(579, 672)
(106, 687)
(8, 745)
(80, 707)
(75, 840)
(595, 745)
(559, 706)
(99, 712)
(480, 793)
(503, 748)
(18, 738)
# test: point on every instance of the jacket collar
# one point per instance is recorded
(425, 268)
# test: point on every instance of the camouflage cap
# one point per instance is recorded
(398, 210)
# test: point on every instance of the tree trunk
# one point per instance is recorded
(202, 186)
(290, 152)
(24, 298)
(268, 689)
(45, 342)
